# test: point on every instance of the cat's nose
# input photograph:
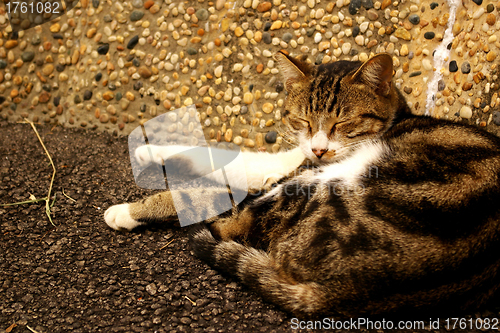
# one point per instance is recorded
(319, 152)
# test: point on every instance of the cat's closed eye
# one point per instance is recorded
(359, 127)
(336, 125)
(343, 128)
(298, 124)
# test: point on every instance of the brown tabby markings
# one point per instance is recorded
(424, 234)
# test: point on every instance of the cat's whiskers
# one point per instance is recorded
(345, 151)
(287, 135)
(336, 152)
(357, 143)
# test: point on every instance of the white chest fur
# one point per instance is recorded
(345, 174)
(361, 163)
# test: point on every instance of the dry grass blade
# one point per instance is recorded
(67, 196)
(47, 198)
(47, 205)
(23, 202)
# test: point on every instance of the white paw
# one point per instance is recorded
(157, 154)
(118, 217)
(148, 154)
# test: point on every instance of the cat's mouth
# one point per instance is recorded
(331, 156)
(334, 152)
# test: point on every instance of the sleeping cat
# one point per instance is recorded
(422, 232)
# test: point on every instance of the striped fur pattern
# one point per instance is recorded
(399, 213)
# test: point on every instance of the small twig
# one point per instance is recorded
(47, 207)
(67, 196)
(32, 330)
(164, 246)
(189, 299)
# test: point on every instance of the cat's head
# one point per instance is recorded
(332, 108)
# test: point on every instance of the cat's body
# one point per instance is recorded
(400, 213)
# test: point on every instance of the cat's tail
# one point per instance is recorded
(256, 269)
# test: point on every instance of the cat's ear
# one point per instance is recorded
(293, 70)
(376, 72)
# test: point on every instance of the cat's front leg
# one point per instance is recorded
(253, 171)
(263, 169)
(197, 161)
(158, 154)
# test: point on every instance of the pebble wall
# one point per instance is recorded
(113, 65)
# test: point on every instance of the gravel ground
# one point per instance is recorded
(81, 276)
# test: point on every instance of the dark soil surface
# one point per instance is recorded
(82, 276)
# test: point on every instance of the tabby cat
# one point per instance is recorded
(400, 212)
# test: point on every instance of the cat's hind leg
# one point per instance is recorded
(165, 207)
(257, 269)
(127, 216)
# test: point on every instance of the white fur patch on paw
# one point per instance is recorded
(148, 154)
(158, 154)
(118, 217)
